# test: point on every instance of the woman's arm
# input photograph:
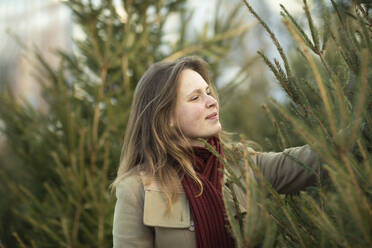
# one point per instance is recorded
(129, 230)
(284, 173)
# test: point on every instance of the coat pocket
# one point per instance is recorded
(154, 211)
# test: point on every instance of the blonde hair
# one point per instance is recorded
(150, 144)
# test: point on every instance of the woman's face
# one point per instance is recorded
(196, 110)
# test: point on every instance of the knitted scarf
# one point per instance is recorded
(208, 209)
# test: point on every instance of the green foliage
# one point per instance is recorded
(330, 89)
(64, 159)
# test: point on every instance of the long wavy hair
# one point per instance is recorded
(152, 144)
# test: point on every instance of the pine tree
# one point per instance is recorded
(66, 158)
(331, 110)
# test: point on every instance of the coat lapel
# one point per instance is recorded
(156, 203)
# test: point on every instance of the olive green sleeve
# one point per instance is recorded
(291, 170)
(128, 228)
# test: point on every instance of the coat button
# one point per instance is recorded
(192, 226)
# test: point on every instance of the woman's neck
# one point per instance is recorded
(195, 142)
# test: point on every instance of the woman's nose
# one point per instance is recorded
(211, 101)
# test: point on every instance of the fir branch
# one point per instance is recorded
(235, 228)
(297, 236)
(239, 213)
(76, 223)
(338, 13)
(314, 32)
(95, 40)
(232, 15)
(107, 56)
(279, 135)
(273, 38)
(50, 72)
(340, 96)
(354, 205)
(303, 97)
(353, 45)
(362, 97)
(321, 218)
(302, 130)
(321, 86)
(279, 75)
(326, 25)
(183, 52)
(287, 83)
(365, 33)
(306, 39)
(19, 240)
(314, 92)
(271, 66)
(217, 38)
(346, 59)
(362, 150)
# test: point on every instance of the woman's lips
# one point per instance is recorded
(212, 116)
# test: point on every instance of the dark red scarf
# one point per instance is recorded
(208, 210)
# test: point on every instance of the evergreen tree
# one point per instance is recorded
(66, 158)
(331, 110)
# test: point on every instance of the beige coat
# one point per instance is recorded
(139, 219)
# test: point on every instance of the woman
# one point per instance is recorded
(168, 186)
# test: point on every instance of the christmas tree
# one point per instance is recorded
(329, 87)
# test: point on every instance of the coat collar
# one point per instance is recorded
(151, 183)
